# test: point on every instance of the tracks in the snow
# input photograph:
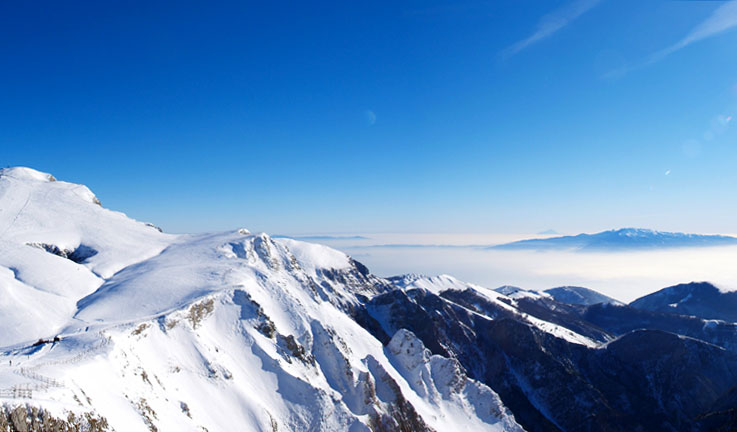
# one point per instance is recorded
(42, 383)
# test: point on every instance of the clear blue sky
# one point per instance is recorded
(411, 116)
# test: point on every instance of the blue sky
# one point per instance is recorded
(344, 117)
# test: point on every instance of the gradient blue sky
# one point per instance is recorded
(411, 116)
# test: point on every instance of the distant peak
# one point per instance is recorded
(408, 277)
(621, 239)
(579, 295)
(508, 289)
(24, 173)
(637, 231)
(694, 286)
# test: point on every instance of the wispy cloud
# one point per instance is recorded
(722, 19)
(552, 23)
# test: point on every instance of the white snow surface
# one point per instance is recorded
(518, 293)
(210, 332)
(434, 284)
(41, 289)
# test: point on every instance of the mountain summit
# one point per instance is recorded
(621, 239)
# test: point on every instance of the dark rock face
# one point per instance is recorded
(618, 320)
(644, 375)
(400, 415)
(722, 416)
(669, 365)
(79, 255)
(700, 299)
(25, 418)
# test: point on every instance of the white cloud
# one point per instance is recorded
(551, 23)
(722, 19)
(623, 275)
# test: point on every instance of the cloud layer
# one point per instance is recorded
(624, 275)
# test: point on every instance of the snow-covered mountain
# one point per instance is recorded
(149, 331)
(579, 296)
(621, 239)
(110, 324)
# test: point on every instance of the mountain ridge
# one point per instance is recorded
(620, 239)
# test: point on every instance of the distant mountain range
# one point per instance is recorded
(620, 239)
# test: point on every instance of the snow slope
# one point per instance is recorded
(47, 225)
(434, 284)
(579, 296)
(203, 332)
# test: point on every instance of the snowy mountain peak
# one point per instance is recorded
(27, 174)
(579, 296)
(30, 178)
(36, 210)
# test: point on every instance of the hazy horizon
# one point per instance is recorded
(624, 275)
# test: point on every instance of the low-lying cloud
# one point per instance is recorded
(621, 275)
